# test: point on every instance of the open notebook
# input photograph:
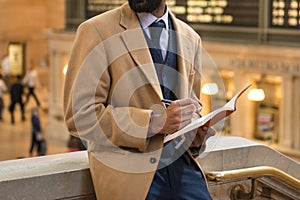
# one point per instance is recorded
(211, 118)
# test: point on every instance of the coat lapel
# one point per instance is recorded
(137, 47)
(184, 60)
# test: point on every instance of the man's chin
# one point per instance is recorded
(144, 5)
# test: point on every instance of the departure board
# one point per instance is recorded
(218, 12)
(94, 7)
(285, 13)
(221, 20)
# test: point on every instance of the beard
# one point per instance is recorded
(144, 5)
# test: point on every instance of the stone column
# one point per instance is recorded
(295, 122)
(60, 44)
(242, 120)
(285, 133)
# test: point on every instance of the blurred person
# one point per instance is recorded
(6, 69)
(3, 89)
(114, 101)
(16, 97)
(37, 136)
(31, 80)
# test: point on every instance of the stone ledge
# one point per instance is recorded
(60, 176)
(67, 176)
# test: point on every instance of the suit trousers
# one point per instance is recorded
(181, 180)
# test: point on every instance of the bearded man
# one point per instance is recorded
(123, 65)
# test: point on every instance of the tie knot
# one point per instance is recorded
(158, 24)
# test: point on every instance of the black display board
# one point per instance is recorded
(94, 7)
(285, 14)
(245, 13)
(217, 12)
(224, 20)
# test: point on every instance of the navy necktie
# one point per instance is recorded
(155, 32)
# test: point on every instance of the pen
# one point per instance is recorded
(168, 102)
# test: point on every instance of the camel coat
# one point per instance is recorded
(111, 90)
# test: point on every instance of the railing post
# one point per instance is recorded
(238, 191)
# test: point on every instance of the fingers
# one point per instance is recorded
(190, 136)
(198, 141)
(181, 112)
(184, 108)
(177, 115)
(203, 133)
(211, 132)
(187, 102)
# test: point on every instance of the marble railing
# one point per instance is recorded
(59, 176)
(67, 176)
(232, 153)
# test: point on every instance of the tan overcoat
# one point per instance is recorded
(111, 90)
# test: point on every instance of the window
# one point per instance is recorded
(75, 13)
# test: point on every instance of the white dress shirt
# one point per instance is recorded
(146, 19)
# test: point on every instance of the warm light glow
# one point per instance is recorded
(256, 95)
(65, 69)
(210, 89)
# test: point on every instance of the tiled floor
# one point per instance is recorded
(15, 139)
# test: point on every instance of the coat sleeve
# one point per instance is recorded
(198, 71)
(196, 94)
(88, 112)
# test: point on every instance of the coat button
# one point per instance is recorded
(152, 160)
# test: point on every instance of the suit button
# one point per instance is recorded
(152, 160)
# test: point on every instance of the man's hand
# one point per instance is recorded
(200, 135)
(177, 115)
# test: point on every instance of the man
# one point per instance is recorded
(3, 89)
(16, 97)
(116, 80)
(31, 81)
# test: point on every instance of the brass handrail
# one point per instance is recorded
(253, 172)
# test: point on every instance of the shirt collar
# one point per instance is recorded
(146, 19)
